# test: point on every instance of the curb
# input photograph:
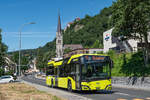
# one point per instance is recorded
(131, 87)
(56, 92)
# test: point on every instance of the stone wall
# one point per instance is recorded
(132, 81)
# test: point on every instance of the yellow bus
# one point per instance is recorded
(81, 72)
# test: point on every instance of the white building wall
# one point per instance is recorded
(107, 41)
(149, 37)
(95, 50)
(133, 43)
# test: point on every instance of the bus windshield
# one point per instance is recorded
(96, 71)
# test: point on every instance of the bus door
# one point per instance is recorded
(77, 75)
(56, 76)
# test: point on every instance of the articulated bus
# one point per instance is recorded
(81, 72)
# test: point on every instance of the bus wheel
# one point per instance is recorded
(69, 86)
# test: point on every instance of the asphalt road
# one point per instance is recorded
(115, 94)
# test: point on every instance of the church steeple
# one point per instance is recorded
(59, 24)
(59, 39)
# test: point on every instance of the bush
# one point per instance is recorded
(135, 65)
(2, 71)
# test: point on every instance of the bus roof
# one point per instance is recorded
(55, 63)
(51, 62)
(58, 63)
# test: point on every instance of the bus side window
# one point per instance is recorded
(55, 71)
(61, 72)
(73, 69)
(50, 70)
(68, 69)
(65, 70)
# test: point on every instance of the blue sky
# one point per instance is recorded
(15, 13)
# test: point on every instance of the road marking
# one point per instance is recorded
(137, 99)
(148, 98)
(122, 94)
(121, 99)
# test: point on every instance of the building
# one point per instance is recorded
(75, 48)
(83, 51)
(33, 66)
(59, 40)
(72, 46)
(10, 65)
(70, 23)
(114, 43)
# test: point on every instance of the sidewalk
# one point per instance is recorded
(132, 87)
(57, 92)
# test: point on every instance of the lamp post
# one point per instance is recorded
(19, 65)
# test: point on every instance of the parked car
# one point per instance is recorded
(6, 79)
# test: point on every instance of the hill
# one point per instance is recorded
(90, 29)
(87, 31)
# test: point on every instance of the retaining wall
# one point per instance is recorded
(132, 81)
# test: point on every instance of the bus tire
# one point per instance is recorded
(69, 86)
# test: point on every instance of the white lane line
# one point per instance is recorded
(121, 99)
(122, 94)
(148, 98)
(137, 99)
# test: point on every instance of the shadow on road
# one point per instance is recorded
(86, 92)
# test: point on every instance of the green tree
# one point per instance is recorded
(39, 60)
(135, 65)
(97, 44)
(130, 19)
(67, 50)
(1, 71)
(2, 51)
(91, 28)
(24, 62)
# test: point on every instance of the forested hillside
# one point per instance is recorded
(88, 32)
(92, 29)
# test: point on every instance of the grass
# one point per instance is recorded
(21, 91)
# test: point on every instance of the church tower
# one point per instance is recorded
(59, 40)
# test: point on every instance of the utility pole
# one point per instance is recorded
(19, 65)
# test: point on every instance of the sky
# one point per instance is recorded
(16, 13)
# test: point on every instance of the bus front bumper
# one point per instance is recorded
(96, 85)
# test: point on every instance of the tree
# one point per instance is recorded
(130, 19)
(67, 50)
(134, 66)
(24, 62)
(39, 60)
(2, 51)
(97, 44)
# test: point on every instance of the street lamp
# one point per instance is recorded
(19, 72)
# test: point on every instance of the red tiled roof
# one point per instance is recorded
(73, 46)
